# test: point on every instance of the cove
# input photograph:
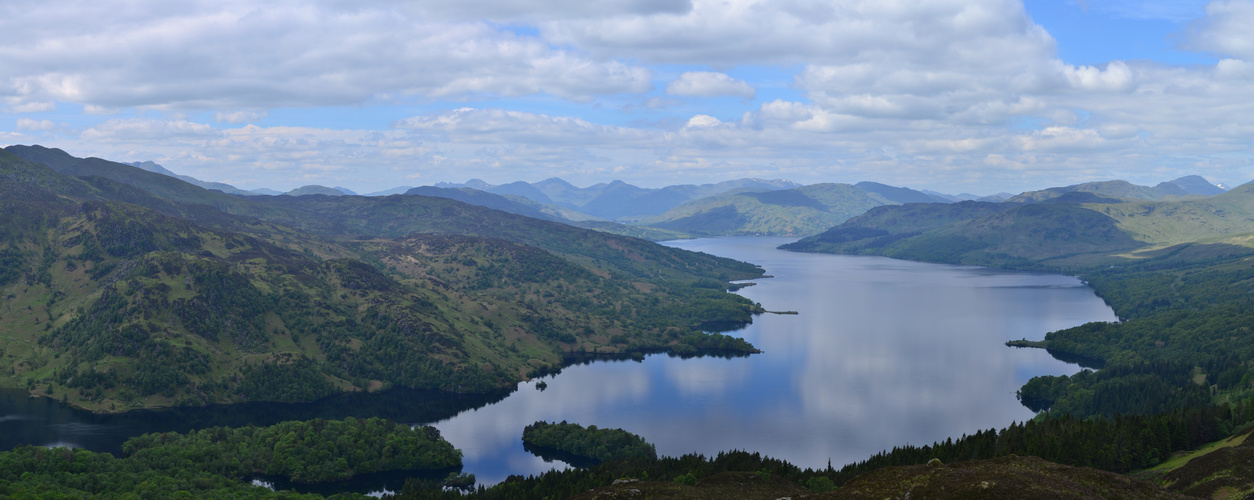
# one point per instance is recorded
(881, 353)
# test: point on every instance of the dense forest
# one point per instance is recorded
(304, 452)
(218, 462)
(592, 444)
(1184, 342)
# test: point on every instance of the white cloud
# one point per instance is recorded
(702, 121)
(515, 10)
(240, 116)
(133, 129)
(92, 109)
(22, 106)
(238, 54)
(29, 125)
(1115, 77)
(804, 31)
(1225, 30)
(709, 84)
(1059, 138)
(502, 126)
(969, 89)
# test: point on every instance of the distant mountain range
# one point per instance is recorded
(735, 207)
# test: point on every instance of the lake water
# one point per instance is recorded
(882, 353)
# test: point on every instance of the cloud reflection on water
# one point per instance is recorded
(882, 353)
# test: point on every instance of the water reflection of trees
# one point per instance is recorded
(43, 421)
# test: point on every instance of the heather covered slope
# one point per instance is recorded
(111, 305)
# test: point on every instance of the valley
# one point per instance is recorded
(129, 290)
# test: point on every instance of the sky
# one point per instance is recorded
(975, 96)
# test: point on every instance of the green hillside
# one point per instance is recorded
(1115, 189)
(1076, 228)
(791, 212)
(113, 305)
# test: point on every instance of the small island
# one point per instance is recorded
(584, 447)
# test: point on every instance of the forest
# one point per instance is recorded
(590, 443)
(219, 462)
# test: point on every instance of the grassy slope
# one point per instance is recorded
(792, 212)
(114, 305)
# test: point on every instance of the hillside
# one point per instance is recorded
(351, 217)
(112, 305)
(1074, 228)
(790, 212)
(1116, 189)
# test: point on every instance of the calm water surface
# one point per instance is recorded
(884, 352)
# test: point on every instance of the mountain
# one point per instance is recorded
(800, 211)
(1196, 184)
(522, 189)
(617, 199)
(485, 199)
(216, 186)
(994, 198)
(1115, 189)
(620, 199)
(315, 189)
(899, 195)
(1075, 224)
(566, 194)
(392, 191)
(992, 234)
(127, 288)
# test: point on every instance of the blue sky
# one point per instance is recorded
(975, 96)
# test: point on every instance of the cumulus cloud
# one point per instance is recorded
(702, 121)
(237, 54)
(709, 84)
(132, 129)
(515, 10)
(1059, 138)
(1116, 76)
(29, 125)
(501, 126)
(868, 89)
(804, 31)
